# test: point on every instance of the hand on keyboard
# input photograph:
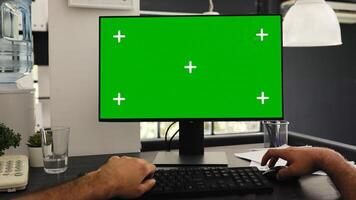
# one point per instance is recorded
(125, 177)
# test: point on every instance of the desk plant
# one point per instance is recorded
(35, 150)
(8, 138)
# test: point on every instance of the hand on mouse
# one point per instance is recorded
(271, 174)
(300, 160)
(124, 177)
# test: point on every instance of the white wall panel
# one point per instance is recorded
(73, 61)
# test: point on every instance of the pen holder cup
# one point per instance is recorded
(275, 133)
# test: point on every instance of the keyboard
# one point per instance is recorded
(203, 181)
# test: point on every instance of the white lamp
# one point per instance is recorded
(311, 23)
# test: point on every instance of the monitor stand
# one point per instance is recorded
(191, 148)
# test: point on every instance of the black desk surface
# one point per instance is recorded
(310, 187)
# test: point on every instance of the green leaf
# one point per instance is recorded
(34, 140)
(8, 138)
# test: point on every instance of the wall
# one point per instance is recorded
(319, 82)
(44, 95)
(73, 61)
(226, 7)
(320, 89)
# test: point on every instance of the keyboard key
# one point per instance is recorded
(189, 187)
(203, 187)
(258, 184)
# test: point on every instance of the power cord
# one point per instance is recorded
(166, 136)
(170, 141)
(211, 6)
(211, 9)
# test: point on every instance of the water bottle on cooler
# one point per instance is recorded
(16, 54)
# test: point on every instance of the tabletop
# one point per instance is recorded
(313, 187)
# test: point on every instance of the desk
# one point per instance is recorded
(310, 187)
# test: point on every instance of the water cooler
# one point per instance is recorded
(16, 61)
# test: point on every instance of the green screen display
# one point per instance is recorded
(190, 67)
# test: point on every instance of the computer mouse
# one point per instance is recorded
(271, 174)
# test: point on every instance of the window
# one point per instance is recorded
(153, 130)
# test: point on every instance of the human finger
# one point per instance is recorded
(113, 158)
(287, 173)
(146, 169)
(150, 169)
(272, 162)
(127, 157)
(278, 153)
(146, 185)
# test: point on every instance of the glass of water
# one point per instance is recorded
(55, 149)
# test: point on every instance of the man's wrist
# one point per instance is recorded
(98, 188)
(328, 159)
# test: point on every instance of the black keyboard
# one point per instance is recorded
(202, 181)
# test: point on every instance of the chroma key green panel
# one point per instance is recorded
(190, 67)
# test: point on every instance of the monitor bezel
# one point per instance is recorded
(189, 119)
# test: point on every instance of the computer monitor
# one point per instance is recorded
(190, 69)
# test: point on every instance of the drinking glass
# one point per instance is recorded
(275, 133)
(55, 149)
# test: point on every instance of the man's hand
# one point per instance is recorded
(301, 160)
(305, 160)
(120, 177)
(124, 177)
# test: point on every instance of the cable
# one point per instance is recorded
(211, 6)
(211, 9)
(166, 134)
(170, 141)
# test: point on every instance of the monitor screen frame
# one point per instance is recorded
(188, 119)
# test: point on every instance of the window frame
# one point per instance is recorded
(210, 140)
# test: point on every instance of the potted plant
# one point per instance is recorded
(8, 138)
(35, 150)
